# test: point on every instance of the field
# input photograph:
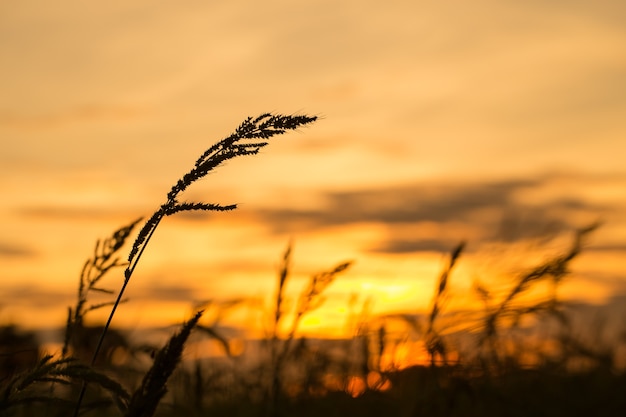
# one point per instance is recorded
(515, 356)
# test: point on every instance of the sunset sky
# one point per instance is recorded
(494, 122)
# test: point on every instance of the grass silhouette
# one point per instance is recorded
(252, 135)
(486, 375)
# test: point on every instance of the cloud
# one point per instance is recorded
(81, 114)
(10, 250)
(408, 246)
(85, 212)
(416, 203)
(614, 247)
(505, 211)
(394, 205)
(166, 292)
(35, 296)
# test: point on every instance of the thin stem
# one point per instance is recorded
(127, 274)
(262, 127)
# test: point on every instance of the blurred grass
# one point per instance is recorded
(518, 356)
(494, 366)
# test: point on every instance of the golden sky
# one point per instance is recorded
(495, 122)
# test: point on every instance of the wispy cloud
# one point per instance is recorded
(11, 250)
(82, 114)
(167, 292)
(399, 246)
(495, 211)
(36, 296)
(414, 203)
(60, 212)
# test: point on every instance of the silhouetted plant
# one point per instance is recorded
(434, 342)
(94, 270)
(34, 384)
(154, 386)
(553, 270)
(248, 139)
(309, 300)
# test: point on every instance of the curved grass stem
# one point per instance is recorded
(248, 139)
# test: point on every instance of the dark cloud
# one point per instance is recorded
(83, 114)
(419, 202)
(166, 292)
(530, 223)
(416, 203)
(617, 247)
(90, 213)
(9, 250)
(66, 212)
(496, 208)
(409, 246)
(35, 296)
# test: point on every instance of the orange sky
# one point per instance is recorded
(492, 122)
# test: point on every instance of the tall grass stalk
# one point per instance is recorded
(554, 269)
(309, 299)
(283, 274)
(145, 399)
(434, 342)
(251, 135)
(94, 270)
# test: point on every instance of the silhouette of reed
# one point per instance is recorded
(434, 342)
(309, 300)
(145, 399)
(34, 385)
(553, 270)
(105, 259)
(251, 135)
